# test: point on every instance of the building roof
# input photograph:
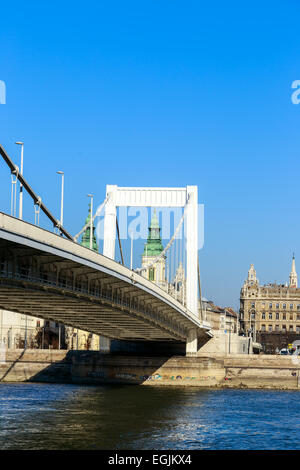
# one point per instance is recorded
(221, 310)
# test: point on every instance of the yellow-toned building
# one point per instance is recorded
(271, 307)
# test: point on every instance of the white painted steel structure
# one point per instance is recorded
(158, 197)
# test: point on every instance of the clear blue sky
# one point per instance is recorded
(163, 94)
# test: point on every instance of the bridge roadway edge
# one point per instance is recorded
(170, 317)
(204, 371)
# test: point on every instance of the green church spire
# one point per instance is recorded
(85, 241)
(154, 246)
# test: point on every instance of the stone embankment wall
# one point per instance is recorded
(263, 371)
(96, 368)
(91, 367)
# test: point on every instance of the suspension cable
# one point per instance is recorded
(119, 240)
(32, 194)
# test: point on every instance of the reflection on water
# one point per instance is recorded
(43, 416)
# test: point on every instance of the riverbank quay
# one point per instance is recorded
(92, 367)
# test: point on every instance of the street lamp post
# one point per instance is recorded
(91, 222)
(25, 342)
(61, 224)
(131, 250)
(62, 197)
(21, 186)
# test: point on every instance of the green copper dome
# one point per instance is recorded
(85, 241)
(154, 246)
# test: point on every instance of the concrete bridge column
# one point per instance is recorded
(192, 343)
(110, 217)
(192, 250)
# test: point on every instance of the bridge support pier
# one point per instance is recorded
(192, 343)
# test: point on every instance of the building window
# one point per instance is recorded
(253, 304)
(297, 328)
(151, 274)
(277, 305)
(263, 316)
(277, 328)
(291, 327)
(270, 316)
(298, 317)
(38, 323)
(284, 306)
(291, 317)
(283, 316)
(270, 305)
(47, 323)
(270, 328)
(298, 307)
(253, 315)
(291, 306)
(263, 304)
(277, 316)
(263, 327)
(284, 328)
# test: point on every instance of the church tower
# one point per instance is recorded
(293, 275)
(153, 248)
(85, 241)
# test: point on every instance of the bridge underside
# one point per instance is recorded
(48, 286)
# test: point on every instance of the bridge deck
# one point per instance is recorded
(47, 276)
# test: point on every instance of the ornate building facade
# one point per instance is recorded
(270, 308)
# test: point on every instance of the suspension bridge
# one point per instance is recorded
(51, 276)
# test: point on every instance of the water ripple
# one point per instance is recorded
(44, 416)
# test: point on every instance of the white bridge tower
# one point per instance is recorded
(158, 197)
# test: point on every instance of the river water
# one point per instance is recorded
(51, 416)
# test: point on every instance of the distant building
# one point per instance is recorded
(271, 308)
(85, 240)
(17, 329)
(225, 339)
(220, 318)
